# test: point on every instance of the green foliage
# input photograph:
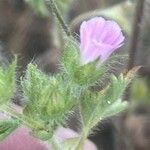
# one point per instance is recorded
(96, 106)
(7, 83)
(7, 127)
(49, 101)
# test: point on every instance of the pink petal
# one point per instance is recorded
(107, 37)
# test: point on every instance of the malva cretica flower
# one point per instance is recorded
(99, 38)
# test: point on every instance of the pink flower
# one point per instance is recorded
(99, 38)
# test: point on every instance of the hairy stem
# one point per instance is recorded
(80, 142)
(52, 5)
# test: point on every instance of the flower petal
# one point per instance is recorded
(99, 38)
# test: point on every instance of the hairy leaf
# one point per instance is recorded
(96, 106)
(7, 127)
(49, 101)
(7, 83)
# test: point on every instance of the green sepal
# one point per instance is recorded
(71, 60)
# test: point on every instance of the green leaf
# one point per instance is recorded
(7, 83)
(96, 106)
(7, 127)
(42, 134)
(87, 75)
(48, 101)
(115, 108)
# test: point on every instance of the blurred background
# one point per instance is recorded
(38, 38)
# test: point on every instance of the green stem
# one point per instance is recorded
(51, 4)
(81, 141)
(79, 144)
(84, 133)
